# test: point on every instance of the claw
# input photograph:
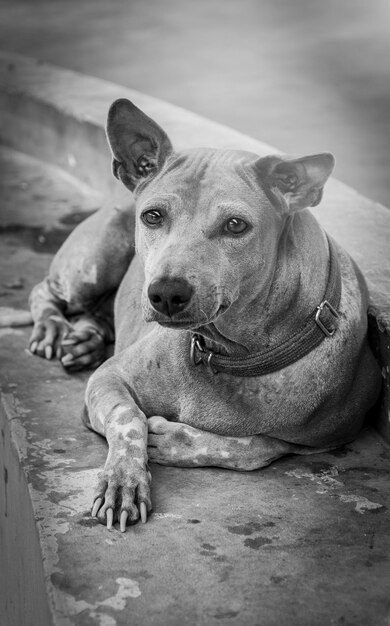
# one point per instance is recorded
(68, 358)
(69, 342)
(96, 506)
(143, 512)
(33, 347)
(123, 520)
(109, 518)
(48, 352)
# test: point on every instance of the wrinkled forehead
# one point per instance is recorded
(206, 176)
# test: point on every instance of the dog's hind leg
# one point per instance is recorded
(72, 308)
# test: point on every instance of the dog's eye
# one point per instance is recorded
(152, 217)
(236, 226)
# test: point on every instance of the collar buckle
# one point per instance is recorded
(326, 307)
(199, 354)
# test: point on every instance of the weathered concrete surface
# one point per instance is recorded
(304, 541)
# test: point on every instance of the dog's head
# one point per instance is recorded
(208, 221)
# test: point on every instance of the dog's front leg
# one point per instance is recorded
(175, 443)
(123, 491)
(85, 343)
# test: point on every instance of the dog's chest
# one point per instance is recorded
(168, 384)
(233, 406)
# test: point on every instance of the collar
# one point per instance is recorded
(322, 323)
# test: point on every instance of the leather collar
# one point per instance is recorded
(322, 323)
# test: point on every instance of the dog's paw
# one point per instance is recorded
(47, 335)
(123, 492)
(82, 349)
(174, 443)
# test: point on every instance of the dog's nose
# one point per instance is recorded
(169, 295)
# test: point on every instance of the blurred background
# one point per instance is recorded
(302, 75)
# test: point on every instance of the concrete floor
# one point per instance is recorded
(303, 542)
(304, 76)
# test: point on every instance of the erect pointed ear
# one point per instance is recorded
(139, 146)
(297, 183)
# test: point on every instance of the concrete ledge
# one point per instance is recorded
(59, 117)
(218, 549)
(23, 582)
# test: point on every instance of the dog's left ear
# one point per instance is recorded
(139, 146)
(297, 183)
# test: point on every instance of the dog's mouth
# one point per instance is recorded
(175, 325)
(191, 323)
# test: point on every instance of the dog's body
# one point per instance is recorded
(232, 265)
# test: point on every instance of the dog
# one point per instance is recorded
(240, 325)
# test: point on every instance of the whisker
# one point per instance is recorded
(205, 316)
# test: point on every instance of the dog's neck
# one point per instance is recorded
(294, 287)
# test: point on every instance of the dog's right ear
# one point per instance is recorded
(139, 146)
